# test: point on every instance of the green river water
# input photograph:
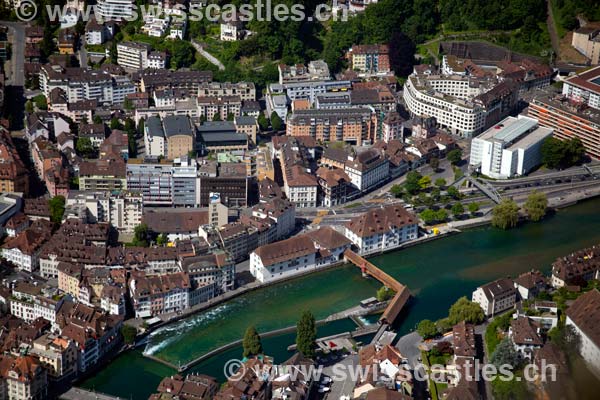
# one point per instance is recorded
(437, 273)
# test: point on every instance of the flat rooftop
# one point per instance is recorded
(509, 129)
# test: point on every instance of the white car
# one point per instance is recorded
(324, 389)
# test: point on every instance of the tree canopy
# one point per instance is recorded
(427, 329)
(412, 184)
(561, 154)
(252, 344)
(505, 215)
(57, 208)
(536, 205)
(141, 235)
(306, 334)
(465, 310)
(454, 156)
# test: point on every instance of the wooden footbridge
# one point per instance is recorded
(402, 293)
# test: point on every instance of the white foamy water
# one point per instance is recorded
(163, 337)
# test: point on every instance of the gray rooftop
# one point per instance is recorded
(216, 126)
(177, 125)
(245, 120)
(154, 127)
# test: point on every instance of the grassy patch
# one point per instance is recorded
(352, 205)
(493, 331)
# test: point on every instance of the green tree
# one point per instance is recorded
(162, 239)
(84, 146)
(562, 154)
(396, 190)
(141, 235)
(465, 310)
(306, 334)
(424, 182)
(453, 192)
(427, 329)
(217, 117)
(536, 205)
(440, 182)
(276, 122)
(505, 354)
(96, 119)
(434, 163)
(57, 208)
(441, 215)
(115, 123)
(473, 208)
(412, 182)
(252, 343)
(127, 104)
(458, 209)
(29, 107)
(384, 293)
(428, 216)
(505, 215)
(230, 117)
(40, 102)
(263, 122)
(454, 156)
(129, 333)
(565, 337)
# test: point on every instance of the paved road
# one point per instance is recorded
(17, 30)
(341, 387)
(408, 346)
(83, 57)
(212, 59)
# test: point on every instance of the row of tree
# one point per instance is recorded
(306, 336)
(506, 214)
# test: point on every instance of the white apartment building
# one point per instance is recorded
(123, 210)
(155, 142)
(133, 55)
(231, 31)
(177, 30)
(155, 26)
(584, 87)
(496, 296)
(24, 261)
(381, 229)
(510, 148)
(157, 60)
(302, 190)
(367, 169)
(464, 105)
(245, 90)
(584, 316)
(114, 10)
(280, 211)
(85, 84)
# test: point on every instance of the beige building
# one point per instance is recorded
(180, 135)
(587, 42)
(69, 276)
(57, 354)
(247, 124)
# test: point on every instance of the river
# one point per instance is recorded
(437, 273)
